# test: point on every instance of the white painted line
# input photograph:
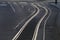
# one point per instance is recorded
(38, 25)
(14, 11)
(24, 20)
(20, 31)
(22, 2)
(44, 35)
(44, 26)
(11, 7)
(18, 24)
(3, 4)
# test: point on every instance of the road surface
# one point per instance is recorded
(10, 19)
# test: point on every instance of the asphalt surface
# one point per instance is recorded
(28, 32)
(6, 20)
(49, 31)
(10, 19)
(14, 14)
(40, 24)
